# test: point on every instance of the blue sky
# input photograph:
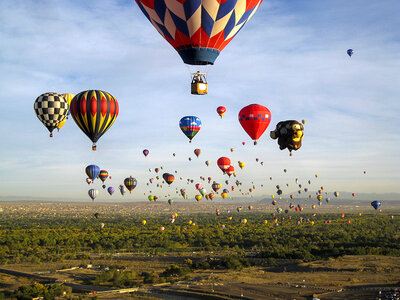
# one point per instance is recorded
(290, 57)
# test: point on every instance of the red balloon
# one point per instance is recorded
(221, 111)
(223, 163)
(230, 170)
(255, 119)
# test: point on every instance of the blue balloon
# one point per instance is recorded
(350, 52)
(376, 204)
(92, 171)
(190, 125)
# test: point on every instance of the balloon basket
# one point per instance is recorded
(199, 84)
(94, 147)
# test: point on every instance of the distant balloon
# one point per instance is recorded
(103, 175)
(122, 189)
(146, 152)
(169, 178)
(241, 164)
(190, 126)
(93, 193)
(350, 52)
(130, 183)
(254, 119)
(221, 111)
(197, 152)
(224, 163)
(230, 170)
(110, 190)
(376, 204)
(92, 171)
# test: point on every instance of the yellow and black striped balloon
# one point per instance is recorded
(94, 112)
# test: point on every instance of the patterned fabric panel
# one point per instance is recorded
(94, 112)
(198, 23)
(51, 109)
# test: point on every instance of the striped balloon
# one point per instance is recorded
(93, 193)
(130, 183)
(110, 190)
(94, 112)
(92, 171)
(103, 175)
(198, 29)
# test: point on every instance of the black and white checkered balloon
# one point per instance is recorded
(51, 109)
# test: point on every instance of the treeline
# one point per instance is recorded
(62, 238)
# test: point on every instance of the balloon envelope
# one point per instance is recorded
(92, 171)
(254, 119)
(94, 112)
(190, 126)
(198, 30)
(376, 204)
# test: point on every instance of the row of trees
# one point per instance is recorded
(56, 239)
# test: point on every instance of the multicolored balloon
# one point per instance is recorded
(110, 190)
(169, 178)
(94, 112)
(92, 171)
(221, 111)
(198, 30)
(190, 126)
(197, 152)
(130, 183)
(254, 119)
(103, 175)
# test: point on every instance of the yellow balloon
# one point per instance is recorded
(190, 222)
(224, 195)
(229, 218)
(198, 197)
(241, 164)
(272, 196)
(303, 121)
(144, 222)
(312, 222)
(68, 97)
(232, 149)
(360, 214)
(62, 123)
(265, 222)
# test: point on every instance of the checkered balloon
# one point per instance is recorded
(51, 109)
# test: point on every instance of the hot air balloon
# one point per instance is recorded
(216, 186)
(376, 204)
(94, 112)
(223, 163)
(198, 30)
(102, 225)
(122, 189)
(103, 175)
(202, 191)
(93, 193)
(198, 186)
(110, 190)
(146, 152)
(211, 196)
(61, 124)
(169, 178)
(350, 52)
(68, 97)
(221, 111)
(88, 181)
(197, 152)
(241, 164)
(336, 194)
(51, 109)
(224, 195)
(254, 119)
(207, 163)
(353, 194)
(92, 171)
(130, 183)
(289, 134)
(230, 170)
(198, 197)
(190, 126)
(150, 198)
